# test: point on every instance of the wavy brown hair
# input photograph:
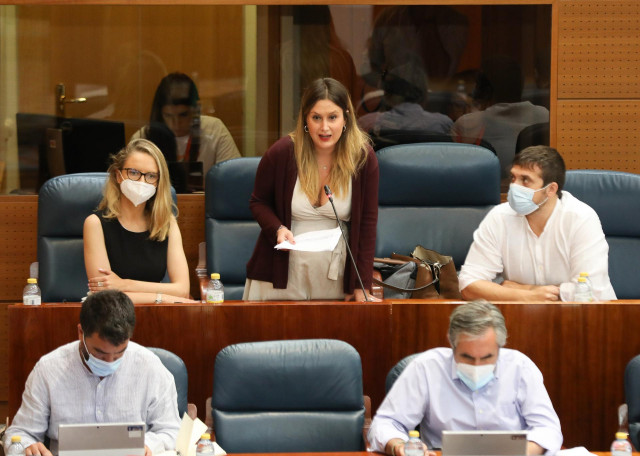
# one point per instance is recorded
(351, 149)
(159, 208)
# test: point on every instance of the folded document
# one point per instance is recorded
(314, 241)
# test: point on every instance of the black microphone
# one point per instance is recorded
(327, 191)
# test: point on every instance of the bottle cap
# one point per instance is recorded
(16, 438)
(414, 433)
(215, 276)
(32, 280)
(621, 435)
(582, 279)
(206, 435)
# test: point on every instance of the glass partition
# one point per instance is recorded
(80, 81)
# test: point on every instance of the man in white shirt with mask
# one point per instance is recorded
(541, 238)
(102, 377)
(475, 385)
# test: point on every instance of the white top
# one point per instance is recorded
(216, 143)
(430, 393)
(60, 389)
(312, 275)
(572, 242)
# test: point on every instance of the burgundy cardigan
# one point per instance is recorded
(270, 204)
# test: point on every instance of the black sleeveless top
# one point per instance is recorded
(133, 255)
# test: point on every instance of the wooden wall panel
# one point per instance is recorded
(191, 223)
(4, 355)
(18, 225)
(600, 134)
(599, 49)
(581, 349)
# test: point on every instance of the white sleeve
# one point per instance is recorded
(484, 260)
(163, 421)
(32, 420)
(402, 409)
(590, 253)
(535, 406)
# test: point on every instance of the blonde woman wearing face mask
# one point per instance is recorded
(133, 239)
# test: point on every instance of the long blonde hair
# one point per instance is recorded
(159, 208)
(350, 153)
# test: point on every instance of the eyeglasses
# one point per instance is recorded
(134, 175)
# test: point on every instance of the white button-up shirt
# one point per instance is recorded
(61, 390)
(572, 242)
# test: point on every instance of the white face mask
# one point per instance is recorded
(475, 377)
(137, 192)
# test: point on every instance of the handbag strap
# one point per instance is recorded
(393, 287)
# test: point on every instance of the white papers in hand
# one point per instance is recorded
(314, 241)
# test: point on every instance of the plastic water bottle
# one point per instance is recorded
(215, 290)
(31, 295)
(16, 448)
(621, 446)
(205, 446)
(413, 446)
(583, 291)
(588, 280)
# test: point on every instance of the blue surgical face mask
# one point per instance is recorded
(521, 199)
(99, 367)
(475, 377)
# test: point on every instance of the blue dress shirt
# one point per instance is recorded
(430, 393)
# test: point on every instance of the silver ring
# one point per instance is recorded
(100, 284)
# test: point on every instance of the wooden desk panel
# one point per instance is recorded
(581, 349)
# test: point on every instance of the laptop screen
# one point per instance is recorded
(484, 443)
(101, 439)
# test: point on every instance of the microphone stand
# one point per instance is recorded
(327, 191)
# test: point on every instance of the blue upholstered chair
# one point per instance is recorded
(230, 229)
(436, 195)
(63, 204)
(632, 398)
(615, 196)
(288, 396)
(396, 370)
(176, 366)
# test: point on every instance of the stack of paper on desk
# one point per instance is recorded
(188, 436)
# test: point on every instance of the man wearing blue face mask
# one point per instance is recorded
(541, 238)
(101, 378)
(475, 385)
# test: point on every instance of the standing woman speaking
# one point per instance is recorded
(288, 199)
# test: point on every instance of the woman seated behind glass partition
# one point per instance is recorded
(199, 138)
(288, 199)
(133, 239)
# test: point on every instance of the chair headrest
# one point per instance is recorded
(438, 174)
(614, 195)
(65, 201)
(288, 375)
(228, 188)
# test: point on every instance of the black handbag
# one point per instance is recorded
(426, 274)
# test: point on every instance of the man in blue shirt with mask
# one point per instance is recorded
(102, 377)
(541, 238)
(475, 385)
